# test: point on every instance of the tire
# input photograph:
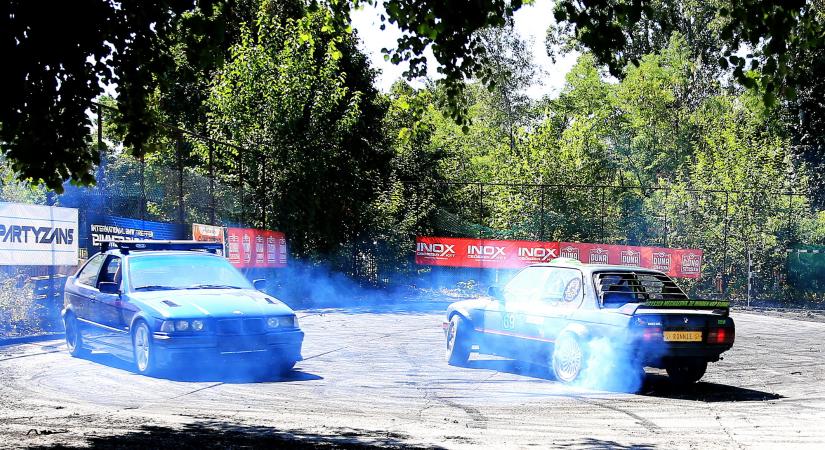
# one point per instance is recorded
(143, 349)
(568, 359)
(458, 341)
(686, 372)
(282, 367)
(74, 340)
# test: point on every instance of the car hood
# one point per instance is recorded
(209, 303)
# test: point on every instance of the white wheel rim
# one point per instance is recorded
(142, 348)
(451, 335)
(568, 359)
(71, 335)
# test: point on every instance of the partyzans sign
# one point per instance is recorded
(501, 254)
(35, 235)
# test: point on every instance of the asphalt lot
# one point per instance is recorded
(377, 376)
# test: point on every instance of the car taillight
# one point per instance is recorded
(721, 336)
(652, 334)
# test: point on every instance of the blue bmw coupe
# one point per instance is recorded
(157, 302)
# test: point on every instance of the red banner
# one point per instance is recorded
(499, 254)
(676, 262)
(482, 253)
(248, 247)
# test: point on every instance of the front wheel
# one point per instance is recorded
(458, 342)
(74, 340)
(568, 359)
(687, 372)
(143, 349)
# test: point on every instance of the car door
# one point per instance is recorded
(83, 292)
(561, 296)
(108, 311)
(504, 319)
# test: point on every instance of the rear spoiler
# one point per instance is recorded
(721, 307)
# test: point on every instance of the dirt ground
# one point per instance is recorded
(377, 377)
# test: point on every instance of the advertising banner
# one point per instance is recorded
(501, 254)
(36, 235)
(113, 228)
(676, 262)
(482, 253)
(208, 233)
(249, 247)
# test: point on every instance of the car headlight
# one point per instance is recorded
(272, 322)
(181, 325)
(197, 325)
(167, 326)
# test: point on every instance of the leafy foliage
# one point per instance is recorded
(303, 96)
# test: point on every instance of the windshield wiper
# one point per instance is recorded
(155, 287)
(213, 286)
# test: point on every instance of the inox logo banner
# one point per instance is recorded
(537, 254)
(512, 254)
(437, 250)
(485, 251)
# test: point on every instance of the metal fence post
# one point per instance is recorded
(142, 187)
(241, 182)
(602, 214)
(179, 154)
(211, 184)
(725, 275)
(541, 211)
(480, 204)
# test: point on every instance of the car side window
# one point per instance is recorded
(527, 285)
(111, 271)
(88, 275)
(563, 287)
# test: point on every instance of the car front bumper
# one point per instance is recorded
(284, 345)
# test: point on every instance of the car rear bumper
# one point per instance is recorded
(656, 356)
(285, 345)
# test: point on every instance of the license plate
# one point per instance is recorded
(683, 336)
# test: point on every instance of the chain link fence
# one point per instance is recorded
(190, 177)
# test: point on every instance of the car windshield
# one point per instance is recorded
(176, 271)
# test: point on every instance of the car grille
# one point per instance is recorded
(241, 326)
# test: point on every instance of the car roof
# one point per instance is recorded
(592, 268)
(138, 254)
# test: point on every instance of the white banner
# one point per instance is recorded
(35, 235)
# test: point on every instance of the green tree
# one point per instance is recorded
(302, 93)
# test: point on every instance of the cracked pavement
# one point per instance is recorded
(376, 376)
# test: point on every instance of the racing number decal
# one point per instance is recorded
(508, 321)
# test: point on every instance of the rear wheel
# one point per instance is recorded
(683, 372)
(568, 359)
(74, 340)
(458, 341)
(143, 349)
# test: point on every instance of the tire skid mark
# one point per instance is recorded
(30, 354)
(479, 420)
(646, 423)
(376, 338)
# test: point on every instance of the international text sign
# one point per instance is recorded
(502, 254)
(35, 235)
(113, 228)
(482, 253)
(248, 247)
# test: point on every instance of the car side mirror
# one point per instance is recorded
(259, 284)
(495, 292)
(107, 287)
